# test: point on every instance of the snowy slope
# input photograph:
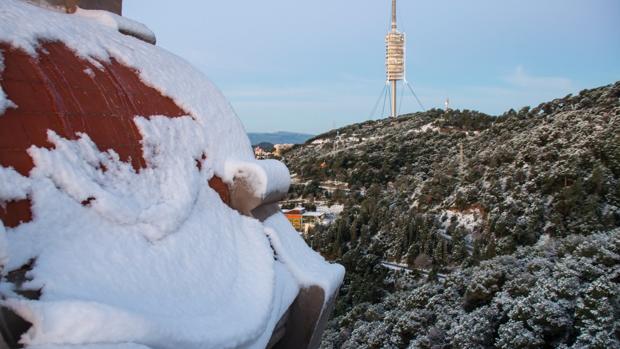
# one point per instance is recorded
(157, 259)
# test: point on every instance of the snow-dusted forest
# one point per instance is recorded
(507, 226)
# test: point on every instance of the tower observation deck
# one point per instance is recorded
(394, 57)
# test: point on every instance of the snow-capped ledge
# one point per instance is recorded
(256, 182)
(306, 265)
(122, 24)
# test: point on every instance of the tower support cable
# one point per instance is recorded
(374, 109)
(384, 100)
(400, 102)
(414, 95)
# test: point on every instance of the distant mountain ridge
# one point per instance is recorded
(280, 137)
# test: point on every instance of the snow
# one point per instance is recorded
(313, 214)
(192, 258)
(306, 265)
(5, 103)
(92, 346)
(263, 176)
(152, 258)
(468, 219)
(13, 186)
(335, 209)
(118, 23)
(89, 72)
(60, 319)
(396, 266)
(424, 128)
(286, 292)
(158, 199)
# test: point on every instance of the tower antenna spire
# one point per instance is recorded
(393, 15)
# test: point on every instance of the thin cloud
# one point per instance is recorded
(520, 78)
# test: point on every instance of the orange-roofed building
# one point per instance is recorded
(295, 216)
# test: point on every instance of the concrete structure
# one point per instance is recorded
(114, 6)
(394, 58)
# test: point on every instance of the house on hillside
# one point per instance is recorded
(310, 219)
(260, 153)
(303, 220)
(295, 216)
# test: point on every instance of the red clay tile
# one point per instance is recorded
(12, 134)
(53, 92)
(221, 188)
(15, 212)
(17, 159)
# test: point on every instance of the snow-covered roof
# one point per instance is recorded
(313, 214)
(156, 258)
(294, 210)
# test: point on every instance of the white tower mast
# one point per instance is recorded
(394, 57)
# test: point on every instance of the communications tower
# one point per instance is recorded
(394, 57)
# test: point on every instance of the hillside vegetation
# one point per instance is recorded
(486, 213)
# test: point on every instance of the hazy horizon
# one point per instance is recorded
(309, 67)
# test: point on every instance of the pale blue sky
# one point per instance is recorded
(307, 66)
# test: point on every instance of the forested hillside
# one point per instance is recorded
(557, 293)
(485, 212)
